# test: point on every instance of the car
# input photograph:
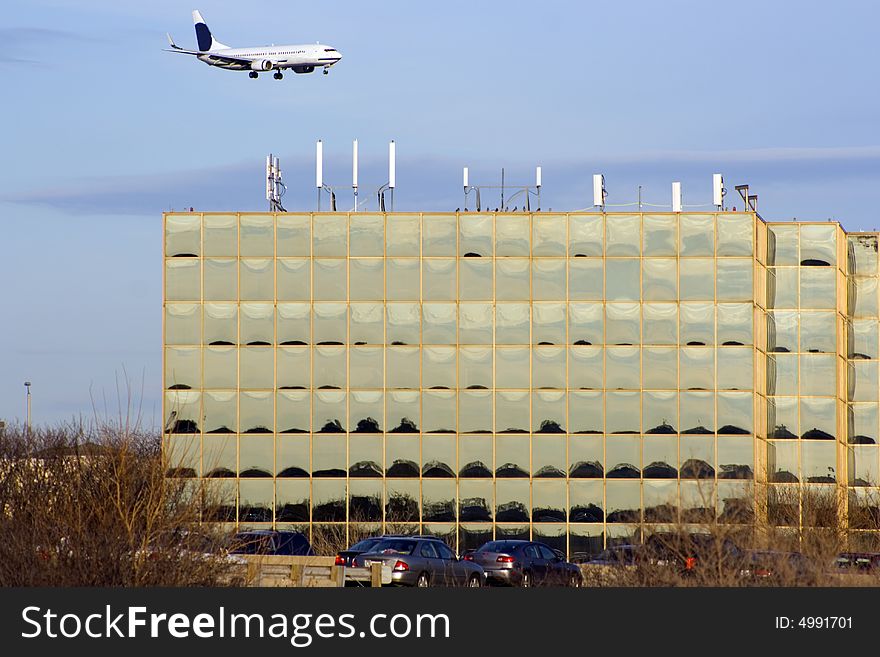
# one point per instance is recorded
(858, 562)
(421, 561)
(689, 552)
(778, 568)
(346, 557)
(525, 563)
(271, 542)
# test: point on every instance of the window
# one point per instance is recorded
(531, 551)
(546, 553)
(445, 552)
(427, 550)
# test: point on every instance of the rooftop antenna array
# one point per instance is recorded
(676, 197)
(275, 188)
(718, 191)
(750, 200)
(319, 177)
(527, 190)
(599, 191)
(392, 178)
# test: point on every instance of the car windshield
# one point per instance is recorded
(364, 545)
(498, 546)
(394, 546)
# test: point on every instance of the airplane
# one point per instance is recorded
(300, 58)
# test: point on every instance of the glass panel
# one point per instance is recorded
(221, 235)
(585, 234)
(697, 279)
(512, 279)
(328, 496)
(818, 374)
(257, 279)
(475, 367)
(585, 412)
(367, 278)
(783, 331)
(734, 279)
(697, 412)
(864, 339)
(221, 280)
(736, 457)
(257, 323)
(659, 412)
(256, 456)
(512, 412)
(475, 236)
(184, 456)
(818, 287)
(782, 375)
(735, 234)
(183, 235)
(548, 235)
(586, 503)
(818, 245)
(221, 412)
(621, 279)
(439, 323)
(864, 377)
(438, 367)
(367, 234)
(818, 462)
(548, 367)
(865, 471)
(548, 279)
(585, 454)
(548, 323)
(293, 235)
(864, 249)
(622, 368)
(782, 457)
(622, 323)
(660, 323)
(329, 367)
(331, 279)
(257, 235)
(697, 324)
(477, 503)
(293, 410)
(697, 457)
(734, 324)
(402, 235)
(402, 368)
(585, 323)
(183, 280)
(438, 279)
(696, 368)
(866, 297)
(294, 279)
(512, 500)
(403, 323)
(475, 456)
(402, 457)
(221, 367)
(182, 323)
(623, 502)
(438, 410)
(735, 413)
(257, 410)
(475, 411)
(661, 501)
(365, 367)
(475, 281)
(438, 501)
(220, 456)
(366, 412)
(784, 245)
(819, 332)
(330, 235)
(659, 279)
(475, 323)
(328, 409)
(698, 501)
(783, 287)
(660, 235)
(365, 502)
(402, 279)
(660, 456)
(512, 323)
(659, 367)
(697, 235)
(439, 235)
(402, 501)
(585, 279)
(622, 412)
(863, 424)
(512, 236)
(512, 367)
(585, 367)
(366, 325)
(221, 323)
(293, 367)
(329, 323)
(735, 368)
(548, 411)
(548, 505)
(512, 457)
(257, 367)
(622, 235)
(183, 368)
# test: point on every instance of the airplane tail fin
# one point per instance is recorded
(203, 35)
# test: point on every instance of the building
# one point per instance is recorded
(564, 376)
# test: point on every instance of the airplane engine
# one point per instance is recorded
(303, 69)
(261, 65)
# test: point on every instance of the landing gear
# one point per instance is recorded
(277, 75)
(252, 74)
(326, 70)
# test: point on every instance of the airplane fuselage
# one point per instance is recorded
(300, 58)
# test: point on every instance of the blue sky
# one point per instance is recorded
(102, 131)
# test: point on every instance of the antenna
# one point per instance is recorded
(354, 172)
(599, 192)
(274, 187)
(392, 170)
(319, 169)
(718, 191)
(537, 186)
(676, 197)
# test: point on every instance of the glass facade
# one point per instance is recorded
(569, 377)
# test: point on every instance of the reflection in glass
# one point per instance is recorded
(622, 279)
(659, 367)
(622, 323)
(659, 279)
(660, 456)
(622, 235)
(697, 279)
(659, 323)
(585, 412)
(367, 278)
(585, 235)
(622, 412)
(585, 368)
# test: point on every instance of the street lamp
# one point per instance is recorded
(27, 385)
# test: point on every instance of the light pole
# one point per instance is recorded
(27, 386)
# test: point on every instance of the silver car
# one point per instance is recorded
(422, 561)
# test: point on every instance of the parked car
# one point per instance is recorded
(346, 557)
(421, 561)
(525, 563)
(858, 562)
(689, 552)
(271, 542)
(778, 568)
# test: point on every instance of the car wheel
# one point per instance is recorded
(526, 580)
(475, 581)
(422, 582)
